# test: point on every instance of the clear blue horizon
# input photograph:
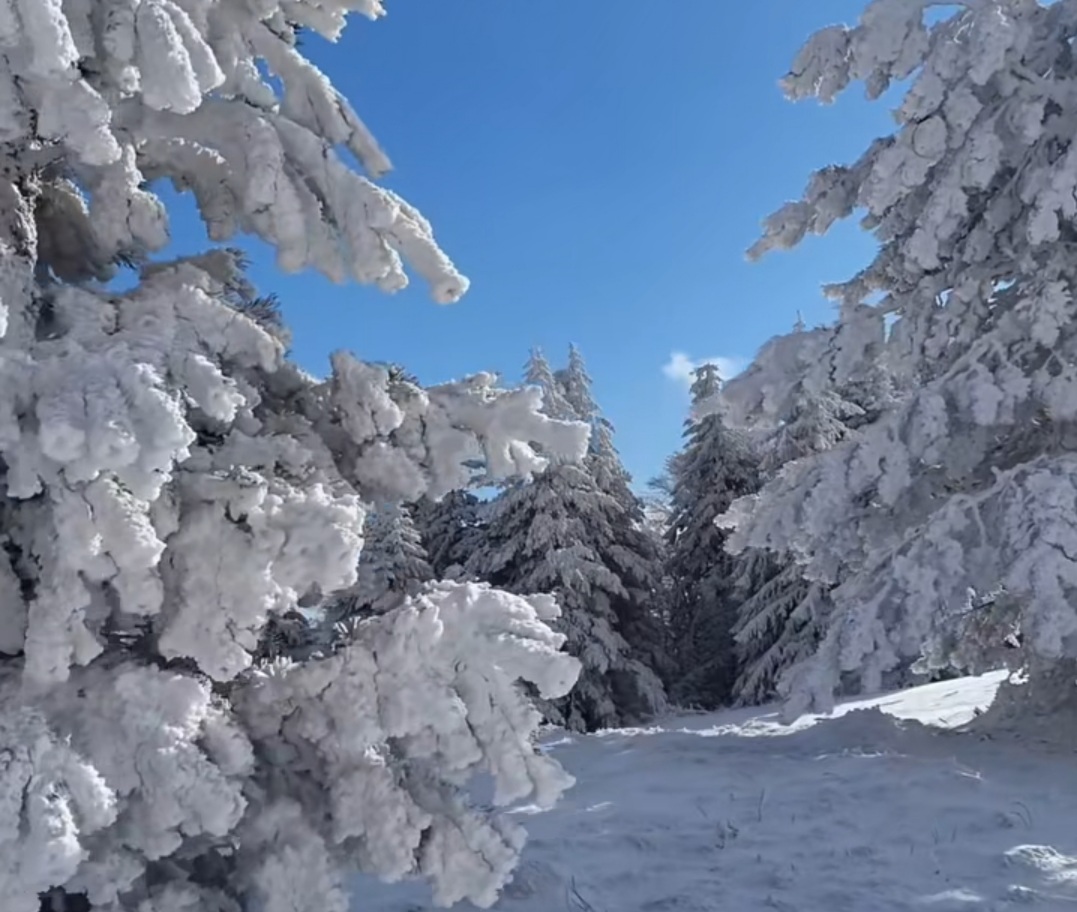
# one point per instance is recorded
(598, 175)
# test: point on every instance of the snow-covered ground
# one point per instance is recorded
(864, 811)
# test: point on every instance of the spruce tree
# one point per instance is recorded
(170, 481)
(563, 534)
(634, 551)
(539, 374)
(778, 625)
(393, 566)
(574, 384)
(717, 465)
(967, 479)
(782, 615)
(451, 530)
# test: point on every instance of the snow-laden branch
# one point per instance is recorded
(169, 483)
(403, 441)
(957, 480)
(437, 680)
(128, 92)
(236, 538)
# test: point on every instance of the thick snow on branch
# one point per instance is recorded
(959, 482)
(49, 798)
(1018, 535)
(170, 482)
(968, 179)
(140, 441)
(410, 441)
(112, 771)
(436, 680)
(124, 92)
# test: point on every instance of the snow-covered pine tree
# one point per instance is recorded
(782, 616)
(718, 464)
(816, 422)
(539, 374)
(556, 534)
(603, 459)
(393, 567)
(451, 530)
(168, 481)
(779, 625)
(635, 553)
(970, 480)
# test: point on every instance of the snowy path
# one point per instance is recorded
(734, 813)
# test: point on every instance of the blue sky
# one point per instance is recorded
(597, 168)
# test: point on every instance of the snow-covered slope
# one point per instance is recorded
(865, 811)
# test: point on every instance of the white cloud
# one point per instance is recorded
(680, 366)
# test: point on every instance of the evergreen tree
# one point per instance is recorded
(169, 482)
(393, 566)
(967, 479)
(782, 616)
(451, 530)
(563, 534)
(574, 384)
(778, 626)
(717, 465)
(815, 422)
(657, 515)
(634, 551)
(539, 374)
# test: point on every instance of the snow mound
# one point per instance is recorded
(884, 805)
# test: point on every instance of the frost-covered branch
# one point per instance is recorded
(171, 486)
(184, 90)
(401, 715)
(956, 482)
(171, 483)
